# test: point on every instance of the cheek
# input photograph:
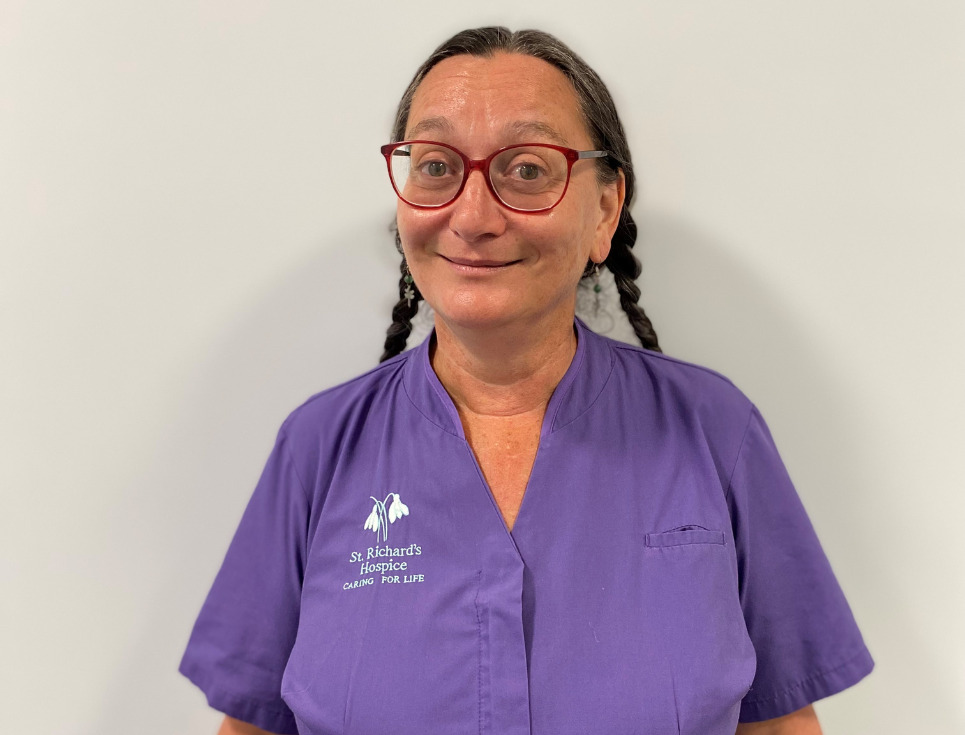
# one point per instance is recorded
(568, 240)
(403, 222)
(589, 216)
(417, 227)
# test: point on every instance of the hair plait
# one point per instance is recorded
(403, 312)
(605, 129)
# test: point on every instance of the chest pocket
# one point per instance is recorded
(684, 536)
(690, 577)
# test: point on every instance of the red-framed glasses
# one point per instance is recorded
(526, 177)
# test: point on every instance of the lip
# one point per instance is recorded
(479, 264)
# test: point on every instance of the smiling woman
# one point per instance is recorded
(483, 266)
(594, 538)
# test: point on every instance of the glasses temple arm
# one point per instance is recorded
(593, 154)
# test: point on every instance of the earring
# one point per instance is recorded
(408, 293)
(593, 299)
(597, 288)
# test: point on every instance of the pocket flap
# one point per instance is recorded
(685, 536)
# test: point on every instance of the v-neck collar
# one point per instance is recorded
(580, 386)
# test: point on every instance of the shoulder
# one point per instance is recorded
(678, 386)
(325, 430)
(331, 411)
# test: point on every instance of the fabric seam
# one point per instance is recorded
(650, 354)
(294, 466)
(422, 413)
(479, 663)
(205, 682)
(396, 362)
(807, 680)
(592, 403)
(740, 450)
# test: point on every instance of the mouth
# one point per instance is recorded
(479, 265)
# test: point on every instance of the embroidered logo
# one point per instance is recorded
(380, 518)
(380, 563)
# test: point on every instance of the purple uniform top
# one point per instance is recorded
(661, 576)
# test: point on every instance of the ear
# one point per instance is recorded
(612, 196)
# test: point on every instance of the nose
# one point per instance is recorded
(476, 215)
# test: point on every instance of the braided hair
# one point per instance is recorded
(606, 132)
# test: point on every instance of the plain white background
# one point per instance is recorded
(194, 230)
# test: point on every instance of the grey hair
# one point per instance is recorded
(605, 130)
(596, 105)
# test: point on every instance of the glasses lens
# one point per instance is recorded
(529, 177)
(427, 174)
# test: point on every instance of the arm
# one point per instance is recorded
(802, 722)
(231, 726)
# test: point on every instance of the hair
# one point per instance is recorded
(606, 131)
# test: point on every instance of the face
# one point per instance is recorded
(477, 263)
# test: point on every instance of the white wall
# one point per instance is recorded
(193, 228)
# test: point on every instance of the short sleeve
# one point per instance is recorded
(245, 631)
(807, 643)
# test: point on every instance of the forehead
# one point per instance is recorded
(507, 96)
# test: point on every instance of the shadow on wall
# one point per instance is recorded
(710, 308)
(322, 323)
(325, 322)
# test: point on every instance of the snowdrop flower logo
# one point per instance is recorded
(380, 518)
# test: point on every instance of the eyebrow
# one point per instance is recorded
(430, 125)
(521, 129)
(518, 130)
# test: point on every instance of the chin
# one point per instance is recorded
(489, 316)
(476, 320)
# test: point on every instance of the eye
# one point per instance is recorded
(434, 162)
(528, 171)
(525, 166)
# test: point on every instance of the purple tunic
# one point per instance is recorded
(661, 577)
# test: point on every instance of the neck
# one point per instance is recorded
(508, 371)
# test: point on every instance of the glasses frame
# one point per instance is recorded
(482, 165)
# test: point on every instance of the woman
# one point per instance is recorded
(652, 570)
